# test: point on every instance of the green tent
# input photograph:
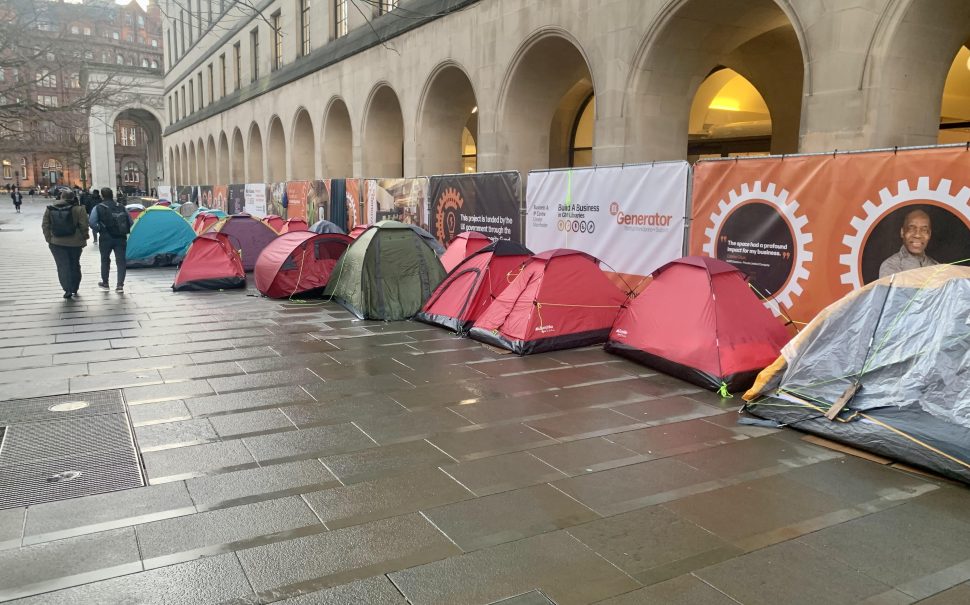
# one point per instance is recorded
(387, 273)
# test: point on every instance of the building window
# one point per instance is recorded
(89, 55)
(340, 18)
(45, 26)
(237, 63)
(304, 27)
(116, 35)
(154, 64)
(75, 30)
(277, 41)
(131, 173)
(46, 79)
(183, 114)
(182, 23)
(171, 115)
(222, 75)
(23, 167)
(171, 50)
(144, 62)
(201, 95)
(87, 31)
(128, 137)
(581, 141)
(154, 43)
(387, 6)
(191, 96)
(212, 85)
(7, 169)
(141, 22)
(75, 80)
(120, 60)
(254, 56)
(47, 100)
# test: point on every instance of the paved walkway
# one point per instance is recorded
(292, 450)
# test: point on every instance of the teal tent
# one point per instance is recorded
(159, 237)
(387, 273)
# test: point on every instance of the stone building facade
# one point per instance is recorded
(296, 89)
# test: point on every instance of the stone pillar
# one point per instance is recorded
(102, 148)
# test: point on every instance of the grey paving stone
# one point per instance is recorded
(185, 372)
(355, 386)
(94, 356)
(387, 497)
(491, 520)
(557, 564)
(674, 438)
(168, 411)
(958, 595)
(684, 590)
(629, 487)
(653, 544)
(385, 460)
(587, 456)
(344, 555)
(115, 380)
(202, 406)
(138, 363)
(501, 473)
(756, 456)
(211, 580)
(196, 459)
(243, 423)
(224, 526)
(820, 579)
(164, 392)
(583, 424)
(316, 441)
(667, 410)
(343, 410)
(857, 481)
(26, 570)
(36, 361)
(489, 441)
(106, 509)
(406, 426)
(51, 373)
(377, 590)
(167, 434)
(302, 475)
(490, 411)
(247, 382)
(232, 355)
(11, 526)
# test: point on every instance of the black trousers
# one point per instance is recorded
(68, 260)
(119, 246)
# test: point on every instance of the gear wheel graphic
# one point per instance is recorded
(788, 209)
(887, 203)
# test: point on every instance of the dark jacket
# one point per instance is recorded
(17, 197)
(80, 237)
(97, 221)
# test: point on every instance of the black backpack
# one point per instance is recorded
(62, 221)
(113, 219)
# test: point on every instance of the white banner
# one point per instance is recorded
(629, 217)
(255, 196)
(164, 193)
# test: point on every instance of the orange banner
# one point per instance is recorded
(810, 229)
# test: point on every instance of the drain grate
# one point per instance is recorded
(54, 448)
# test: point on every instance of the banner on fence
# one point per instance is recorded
(164, 193)
(255, 199)
(809, 229)
(489, 203)
(205, 196)
(236, 201)
(629, 217)
(183, 194)
(403, 200)
(220, 198)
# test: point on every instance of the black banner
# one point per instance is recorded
(487, 203)
(237, 199)
(183, 194)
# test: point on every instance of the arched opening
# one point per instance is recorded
(193, 166)
(201, 167)
(448, 123)
(383, 148)
(303, 154)
(53, 172)
(237, 168)
(754, 38)
(173, 160)
(183, 167)
(222, 174)
(581, 139)
(277, 151)
(955, 108)
(210, 161)
(138, 139)
(338, 141)
(255, 172)
(728, 118)
(546, 89)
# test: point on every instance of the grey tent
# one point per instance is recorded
(387, 273)
(885, 369)
(326, 227)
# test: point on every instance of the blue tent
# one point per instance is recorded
(160, 237)
(214, 211)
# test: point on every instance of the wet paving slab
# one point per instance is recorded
(295, 454)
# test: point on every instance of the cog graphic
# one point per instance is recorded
(450, 199)
(887, 203)
(755, 193)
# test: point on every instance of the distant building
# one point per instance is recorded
(39, 149)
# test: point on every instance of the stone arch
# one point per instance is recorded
(545, 88)
(193, 165)
(448, 106)
(184, 167)
(211, 162)
(201, 167)
(276, 149)
(151, 159)
(254, 173)
(237, 167)
(760, 39)
(337, 141)
(173, 158)
(222, 174)
(303, 149)
(906, 70)
(383, 134)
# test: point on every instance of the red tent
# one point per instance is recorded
(294, 224)
(274, 221)
(203, 221)
(698, 320)
(250, 235)
(471, 286)
(298, 263)
(464, 245)
(561, 299)
(212, 263)
(134, 213)
(356, 231)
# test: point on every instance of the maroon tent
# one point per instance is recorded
(250, 234)
(298, 263)
(212, 263)
(698, 320)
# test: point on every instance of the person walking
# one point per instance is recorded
(112, 221)
(18, 198)
(92, 201)
(65, 227)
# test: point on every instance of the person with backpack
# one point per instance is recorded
(113, 222)
(65, 227)
(18, 198)
(92, 202)
(88, 202)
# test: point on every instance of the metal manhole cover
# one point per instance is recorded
(54, 448)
